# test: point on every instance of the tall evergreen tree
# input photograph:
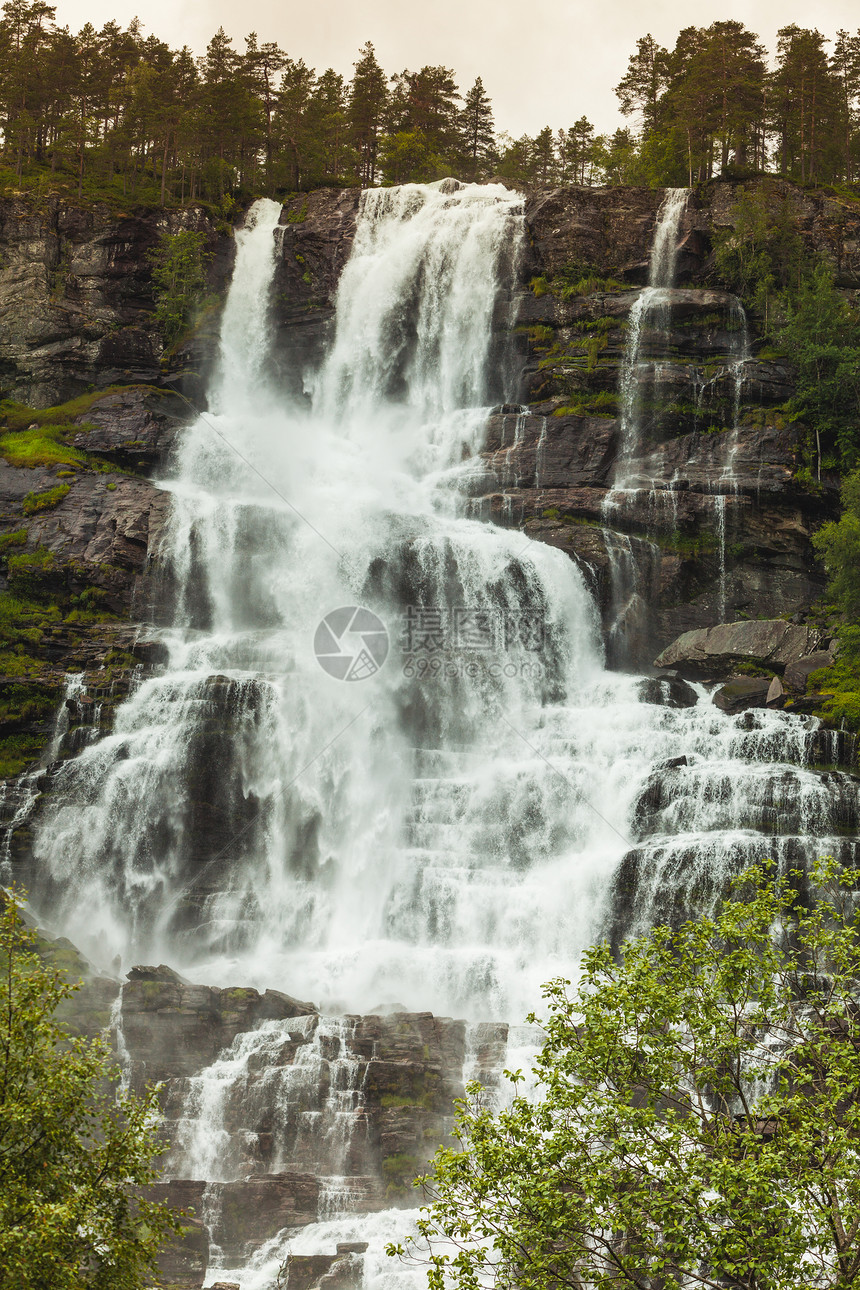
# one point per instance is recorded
(477, 131)
(368, 101)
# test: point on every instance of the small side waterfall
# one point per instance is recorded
(650, 312)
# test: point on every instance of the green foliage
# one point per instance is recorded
(838, 545)
(46, 501)
(179, 276)
(71, 1152)
(697, 1119)
(821, 335)
(762, 254)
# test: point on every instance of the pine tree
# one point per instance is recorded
(368, 100)
(476, 127)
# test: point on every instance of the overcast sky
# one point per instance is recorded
(543, 62)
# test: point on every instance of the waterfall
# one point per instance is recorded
(650, 311)
(449, 831)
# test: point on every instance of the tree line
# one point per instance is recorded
(112, 110)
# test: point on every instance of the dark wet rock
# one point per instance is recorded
(714, 651)
(172, 1028)
(76, 295)
(134, 428)
(742, 693)
(667, 692)
(607, 230)
(317, 232)
(341, 1271)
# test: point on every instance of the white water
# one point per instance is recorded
(442, 836)
(649, 310)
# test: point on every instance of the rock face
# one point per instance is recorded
(318, 232)
(701, 519)
(172, 1028)
(716, 650)
(76, 296)
(703, 514)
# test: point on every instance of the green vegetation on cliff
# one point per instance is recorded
(697, 1119)
(804, 317)
(838, 544)
(178, 276)
(72, 1154)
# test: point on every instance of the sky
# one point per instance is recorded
(543, 62)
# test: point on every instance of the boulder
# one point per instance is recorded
(776, 693)
(797, 674)
(715, 651)
(742, 693)
(667, 692)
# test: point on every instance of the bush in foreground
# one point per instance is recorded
(696, 1119)
(72, 1154)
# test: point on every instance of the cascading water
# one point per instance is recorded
(441, 835)
(649, 313)
(628, 576)
(451, 831)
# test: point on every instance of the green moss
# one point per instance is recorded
(43, 446)
(35, 502)
(603, 403)
(401, 1171)
(17, 752)
(18, 416)
(839, 686)
(567, 289)
(603, 324)
(389, 1100)
(18, 538)
(689, 546)
(551, 513)
(27, 703)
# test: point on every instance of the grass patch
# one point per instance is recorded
(19, 416)
(35, 502)
(40, 436)
(603, 403)
(43, 446)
